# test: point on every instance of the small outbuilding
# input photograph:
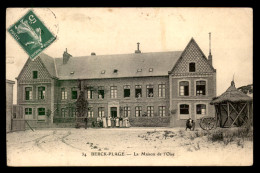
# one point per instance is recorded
(233, 108)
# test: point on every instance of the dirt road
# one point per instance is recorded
(129, 146)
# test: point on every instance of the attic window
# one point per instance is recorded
(150, 69)
(115, 70)
(139, 70)
(103, 72)
(192, 67)
(72, 72)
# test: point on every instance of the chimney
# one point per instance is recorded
(66, 57)
(210, 56)
(138, 51)
(93, 53)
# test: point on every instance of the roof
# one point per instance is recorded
(232, 95)
(127, 65)
(49, 64)
(9, 81)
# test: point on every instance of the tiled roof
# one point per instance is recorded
(127, 65)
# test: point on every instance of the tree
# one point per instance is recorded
(81, 103)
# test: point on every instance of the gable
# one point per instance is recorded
(192, 53)
(30, 66)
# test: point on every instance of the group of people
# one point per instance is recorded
(109, 122)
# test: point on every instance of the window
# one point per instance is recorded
(72, 112)
(115, 70)
(184, 88)
(63, 112)
(138, 91)
(113, 92)
(200, 88)
(184, 109)
(126, 91)
(162, 90)
(103, 71)
(74, 93)
(150, 111)
(35, 74)
(28, 111)
(101, 111)
(192, 67)
(161, 111)
(90, 92)
(149, 90)
(41, 111)
(126, 111)
(138, 111)
(150, 69)
(63, 94)
(90, 112)
(201, 109)
(139, 70)
(28, 93)
(101, 92)
(41, 93)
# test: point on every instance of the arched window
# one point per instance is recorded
(184, 109)
(184, 88)
(201, 109)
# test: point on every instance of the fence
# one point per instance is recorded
(150, 121)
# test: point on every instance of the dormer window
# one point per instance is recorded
(115, 70)
(150, 69)
(103, 72)
(192, 67)
(139, 70)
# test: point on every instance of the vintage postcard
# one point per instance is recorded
(129, 86)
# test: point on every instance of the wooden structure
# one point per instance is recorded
(233, 107)
(18, 122)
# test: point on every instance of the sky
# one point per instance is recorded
(117, 30)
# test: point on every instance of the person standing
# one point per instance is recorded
(109, 121)
(86, 122)
(117, 122)
(112, 122)
(104, 121)
(127, 122)
(124, 122)
(120, 121)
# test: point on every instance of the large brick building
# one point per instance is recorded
(152, 89)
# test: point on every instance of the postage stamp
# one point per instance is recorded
(32, 35)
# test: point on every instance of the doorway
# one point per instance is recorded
(113, 112)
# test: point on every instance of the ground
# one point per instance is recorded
(122, 146)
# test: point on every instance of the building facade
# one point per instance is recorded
(9, 104)
(152, 89)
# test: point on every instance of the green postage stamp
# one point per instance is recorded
(32, 35)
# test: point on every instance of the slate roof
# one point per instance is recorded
(127, 65)
(49, 64)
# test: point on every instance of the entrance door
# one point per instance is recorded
(113, 112)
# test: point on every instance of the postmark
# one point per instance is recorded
(31, 34)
